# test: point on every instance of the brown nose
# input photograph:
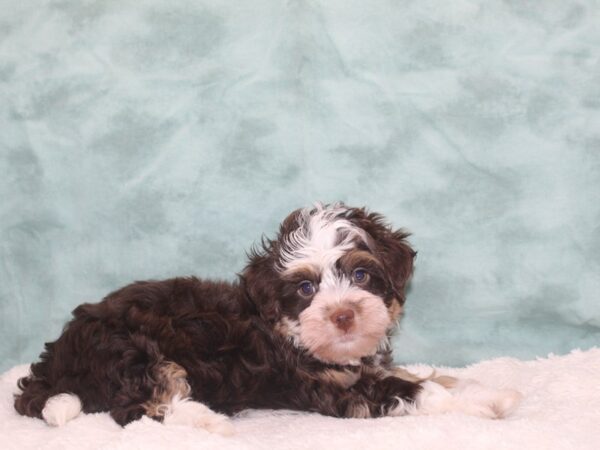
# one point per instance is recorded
(343, 319)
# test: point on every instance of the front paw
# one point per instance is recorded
(196, 414)
(467, 397)
(395, 396)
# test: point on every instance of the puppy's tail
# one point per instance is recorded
(35, 391)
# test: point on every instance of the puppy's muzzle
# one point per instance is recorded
(343, 319)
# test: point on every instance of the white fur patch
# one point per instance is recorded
(316, 241)
(467, 397)
(290, 328)
(61, 408)
(195, 414)
(402, 408)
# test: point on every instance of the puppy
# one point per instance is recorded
(306, 327)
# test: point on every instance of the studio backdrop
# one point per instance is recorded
(143, 140)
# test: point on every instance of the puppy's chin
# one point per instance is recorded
(345, 350)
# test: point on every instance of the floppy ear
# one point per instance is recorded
(398, 258)
(391, 246)
(260, 282)
(260, 279)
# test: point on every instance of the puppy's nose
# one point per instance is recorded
(343, 319)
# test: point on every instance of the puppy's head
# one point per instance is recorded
(333, 281)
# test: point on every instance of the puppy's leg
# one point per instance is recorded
(464, 396)
(443, 393)
(188, 412)
(369, 396)
(61, 408)
(171, 403)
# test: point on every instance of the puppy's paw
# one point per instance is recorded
(195, 414)
(495, 403)
(467, 397)
(61, 408)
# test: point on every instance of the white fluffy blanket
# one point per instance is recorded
(561, 409)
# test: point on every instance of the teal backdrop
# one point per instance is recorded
(150, 139)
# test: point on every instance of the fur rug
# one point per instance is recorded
(560, 410)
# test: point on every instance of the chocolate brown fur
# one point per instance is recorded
(221, 342)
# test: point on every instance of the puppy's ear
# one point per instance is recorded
(398, 259)
(260, 282)
(260, 279)
(391, 247)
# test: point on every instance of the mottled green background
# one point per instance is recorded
(157, 138)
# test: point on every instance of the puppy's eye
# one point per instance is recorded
(360, 276)
(306, 288)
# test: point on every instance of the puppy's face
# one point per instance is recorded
(332, 282)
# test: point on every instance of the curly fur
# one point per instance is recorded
(232, 346)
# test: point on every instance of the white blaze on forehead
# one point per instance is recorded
(335, 287)
(322, 237)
